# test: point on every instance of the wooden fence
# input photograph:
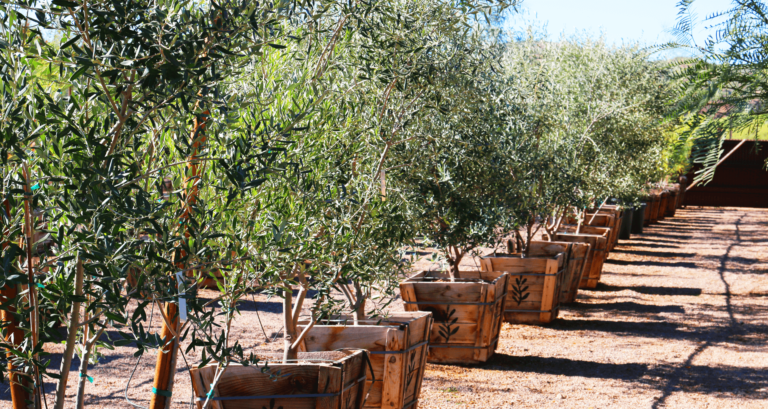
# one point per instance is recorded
(740, 181)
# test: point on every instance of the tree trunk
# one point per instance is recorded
(527, 246)
(88, 345)
(361, 301)
(74, 320)
(454, 262)
(291, 350)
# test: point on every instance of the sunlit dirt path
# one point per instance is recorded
(679, 320)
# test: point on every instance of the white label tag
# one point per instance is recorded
(182, 301)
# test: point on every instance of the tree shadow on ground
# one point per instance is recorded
(676, 237)
(673, 243)
(634, 243)
(682, 291)
(650, 253)
(682, 264)
(565, 366)
(698, 378)
(627, 307)
(650, 329)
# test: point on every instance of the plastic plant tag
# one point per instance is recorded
(182, 300)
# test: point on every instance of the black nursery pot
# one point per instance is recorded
(638, 219)
(626, 224)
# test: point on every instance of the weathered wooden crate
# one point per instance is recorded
(397, 345)
(333, 380)
(674, 194)
(533, 292)
(655, 203)
(605, 217)
(575, 256)
(597, 238)
(618, 215)
(467, 312)
(577, 261)
(664, 202)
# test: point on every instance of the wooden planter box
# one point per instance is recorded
(663, 205)
(577, 262)
(397, 346)
(674, 194)
(606, 217)
(654, 208)
(333, 379)
(467, 312)
(619, 216)
(598, 242)
(533, 292)
(575, 257)
(647, 211)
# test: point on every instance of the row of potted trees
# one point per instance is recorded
(152, 148)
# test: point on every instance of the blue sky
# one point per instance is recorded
(646, 21)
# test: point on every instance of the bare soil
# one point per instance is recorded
(679, 320)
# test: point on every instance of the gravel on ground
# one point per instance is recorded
(679, 320)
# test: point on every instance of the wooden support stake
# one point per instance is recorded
(162, 386)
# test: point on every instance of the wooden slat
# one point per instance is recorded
(458, 292)
(576, 263)
(550, 293)
(408, 294)
(328, 381)
(392, 382)
(479, 337)
(418, 359)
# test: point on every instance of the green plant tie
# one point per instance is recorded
(90, 378)
(161, 392)
(36, 186)
(40, 285)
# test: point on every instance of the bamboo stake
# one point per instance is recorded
(14, 335)
(596, 212)
(162, 386)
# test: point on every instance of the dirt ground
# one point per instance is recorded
(679, 320)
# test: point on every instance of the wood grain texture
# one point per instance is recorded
(337, 372)
(534, 283)
(578, 260)
(595, 257)
(462, 333)
(394, 373)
